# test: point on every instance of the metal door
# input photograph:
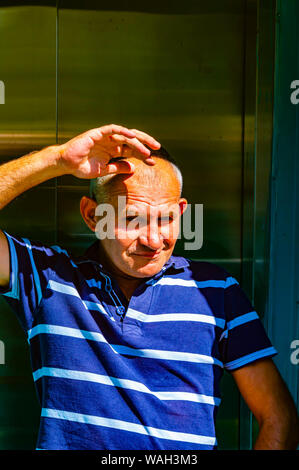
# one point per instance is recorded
(185, 73)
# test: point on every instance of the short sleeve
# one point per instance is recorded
(244, 339)
(30, 269)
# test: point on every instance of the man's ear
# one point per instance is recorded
(87, 209)
(183, 203)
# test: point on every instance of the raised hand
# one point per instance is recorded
(88, 155)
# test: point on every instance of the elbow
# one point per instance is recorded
(296, 431)
(282, 428)
(292, 426)
(290, 422)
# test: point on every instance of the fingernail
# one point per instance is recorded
(132, 167)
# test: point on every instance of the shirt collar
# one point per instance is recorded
(178, 262)
(92, 252)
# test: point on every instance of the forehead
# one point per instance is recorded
(142, 196)
(151, 186)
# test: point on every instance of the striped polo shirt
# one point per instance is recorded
(118, 375)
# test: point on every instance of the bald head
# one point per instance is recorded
(164, 174)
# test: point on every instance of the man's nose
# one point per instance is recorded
(151, 237)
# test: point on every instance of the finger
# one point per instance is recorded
(98, 133)
(133, 143)
(119, 151)
(147, 139)
(122, 166)
(128, 152)
(115, 129)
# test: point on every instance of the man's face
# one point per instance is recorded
(146, 225)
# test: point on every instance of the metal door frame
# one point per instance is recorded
(257, 156)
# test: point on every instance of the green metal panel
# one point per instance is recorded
(179, 77)
(28, 122)
(263, 150)
(186, 74)
(283, 318)
(258, 104)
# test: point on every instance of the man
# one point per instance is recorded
(128, 342)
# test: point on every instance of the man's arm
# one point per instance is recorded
(85, 156)
(16, 177)
(268, 398)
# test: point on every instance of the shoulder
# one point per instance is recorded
(44, 253)
(204, 270)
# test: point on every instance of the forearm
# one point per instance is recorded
(17, 176)
(277, 436)
(85, 156)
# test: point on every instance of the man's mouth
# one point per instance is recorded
(154, 254)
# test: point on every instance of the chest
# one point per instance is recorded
(170, 315)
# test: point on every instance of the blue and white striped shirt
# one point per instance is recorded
(140, 375)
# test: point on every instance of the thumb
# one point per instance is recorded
(123, 166)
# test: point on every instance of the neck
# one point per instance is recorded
(127, 283)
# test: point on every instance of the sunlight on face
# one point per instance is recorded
(144, 237)
(146, 225)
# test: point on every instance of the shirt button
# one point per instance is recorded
(120, 310)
